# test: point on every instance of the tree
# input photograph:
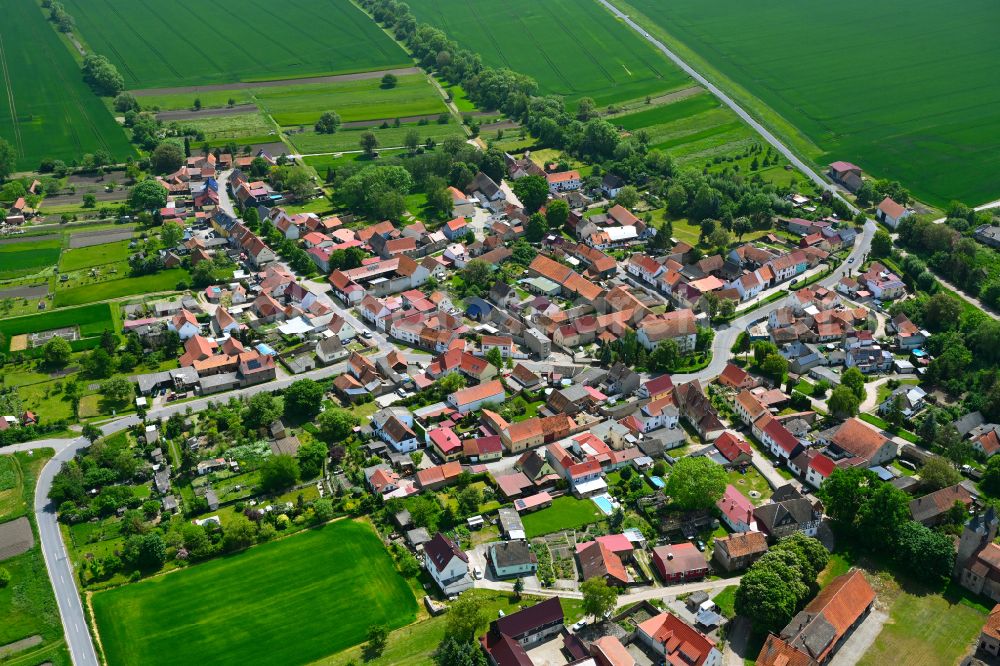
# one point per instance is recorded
(599, 598)
(469, 499)
(518, 587)
(4, 578)
(495, 357)
(532, 191)
(368, 143)
(167, 157)
(454, 652)
(147, 195)
(389, 80)
(412, 140)
(328, 123)
(147, 552)
(665, 357)
(238, 534)
(98, 363)
(881, 244)
(439, 199)
(586, 109)
(628, 197)
(261, 411)
(8, 159)
(536, 229)
(556, 214)
(924, 552)
(696, 483)
(89, 200)
(56, 352)
(102, 76)
(91, 432)
(479, 274)
(378, 635)
(117, 390)
(990, 483)
(774, 366)
(854, 380)
(303, 400)
(336, 425)
(279, 473)
(311, 458)
(941, 312)
(811, 552)
(771, 591)
(843, 403)
(466, 615)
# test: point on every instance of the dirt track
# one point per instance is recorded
(358, 76)
(187, 114)
(30, 292)
(88, 238)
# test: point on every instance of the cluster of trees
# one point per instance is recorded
(58, 15)
(861, 506)
(780, 583)
(872, 192)
(769, 362)
(101, 75)
(328, 123)
(695, 483)
(958, 258)
(147, 195)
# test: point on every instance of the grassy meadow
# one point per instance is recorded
(29, 257)
(47, 110)
(187, 43)
(349, 139)
(92, 320)
(73, 259)
(127, 286)
(294, 600)
(924, 109)
(574, 49)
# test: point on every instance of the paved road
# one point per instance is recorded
(728, 101)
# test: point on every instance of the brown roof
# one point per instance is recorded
(479, 392)
(858, 439)
(992, 626)
(597, 559)
(938, 502)
(743, 544)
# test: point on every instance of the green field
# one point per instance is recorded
(924, 110)
(186, 42)
(95, 255)
(236, 126)
(28, 257)
(163, 281)
(309, 142)
(291, 601)
(91, 319)
(575, 49)
(353, 100)
(566, 513)
(695, 129)
(47, 110)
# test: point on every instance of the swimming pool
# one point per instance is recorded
(657, 481)
(604, 503)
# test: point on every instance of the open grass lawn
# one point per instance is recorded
(163, 281)
(47, 110)
(96, 255)
(353, 100)
(726, 601)
(290, 601)
(26, 258)
(751, 480)
(349, 139)
(574, 49)
(188, 43)
(566, 513)
(92, 320)
(929, 117)
(27, 605)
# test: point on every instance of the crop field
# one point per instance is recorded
(693, 130)
(391, 137)
(163, 281)
(353, 100)
(281, 602)
(236, 126)
(28, 257)
(93, 255)
(92, 320)
(571, 48)
(46, 110)
(187, 42)
(923, 110)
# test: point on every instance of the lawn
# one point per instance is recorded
(92, 320)
(751, 480)
(290, 601)
(163, 281)
(566, 513)
(391, 137)
(94, 255)
(726, 601)
(218, 45)
(898, 109)
(48, 111)
(27, 605)
(926, 630)
(29, 257)
(573, 49)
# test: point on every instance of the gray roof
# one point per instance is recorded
(968, 422)
(418, 536)
(512, 553)
(510, 521)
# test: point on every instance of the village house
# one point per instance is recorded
(510, 637)
(473, 398)
(563, 181)
(738, 551)
(891, 213)
(447, 564)
(676, 642)
(679, 563)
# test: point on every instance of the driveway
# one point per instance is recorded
(860, 639)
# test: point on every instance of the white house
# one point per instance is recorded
(891, 213)
(748, 286)
(447, 565)
(563, 181)
(185, 324)
(474, 397)
(394, 425)
(644, 267)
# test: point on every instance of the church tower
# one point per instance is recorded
(979, 531)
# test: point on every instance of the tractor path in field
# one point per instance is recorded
(334, 78)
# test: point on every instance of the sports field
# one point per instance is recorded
(571, 48)
(46, 110)
(187, 42)
(291, 601)
(907, 89)
(28, 257)
(146, 284)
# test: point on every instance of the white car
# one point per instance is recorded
(476, 573)
(579, 625)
